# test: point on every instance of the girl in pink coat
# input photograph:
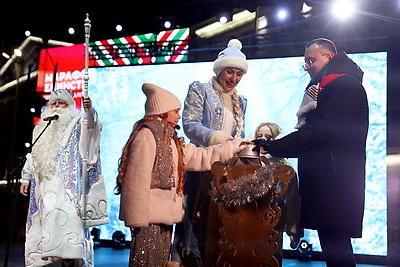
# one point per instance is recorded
(151, 176)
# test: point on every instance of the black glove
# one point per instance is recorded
(264, 143)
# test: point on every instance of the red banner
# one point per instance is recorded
(67, 63)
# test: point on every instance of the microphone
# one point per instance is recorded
(51, 118)
(177, 127)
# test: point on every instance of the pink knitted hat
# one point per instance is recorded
(159, 100)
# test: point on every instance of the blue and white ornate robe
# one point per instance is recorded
(55, 227)
(204, 113)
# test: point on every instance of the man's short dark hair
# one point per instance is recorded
(325, 43)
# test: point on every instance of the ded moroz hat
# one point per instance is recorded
(65, 95)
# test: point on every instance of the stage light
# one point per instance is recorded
(306, 10)
(225, 17)
(393, 160)
(304, 250)
(342, 9)
(167, 24)
(238, 19)
(261, 26)
(118, 240)
(27, 33)
(118, 27)
(17, 52)
(4, 54)
(71, 30)
(262, 23)
(282, 14)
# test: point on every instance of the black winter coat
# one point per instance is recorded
(330, 149)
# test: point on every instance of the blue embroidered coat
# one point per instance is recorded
(204, 113)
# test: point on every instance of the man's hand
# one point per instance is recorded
(261, 143)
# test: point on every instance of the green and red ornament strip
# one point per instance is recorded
(165, 47)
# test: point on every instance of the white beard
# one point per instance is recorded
(48, 145)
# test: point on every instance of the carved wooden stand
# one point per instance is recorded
(247, 236)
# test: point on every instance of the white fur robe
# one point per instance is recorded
(55, 227)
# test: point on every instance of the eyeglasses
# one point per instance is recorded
(310, 61)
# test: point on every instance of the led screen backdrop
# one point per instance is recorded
(274, 89)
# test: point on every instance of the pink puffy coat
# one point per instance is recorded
(140, 205)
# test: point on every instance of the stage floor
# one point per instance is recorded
(106, 257)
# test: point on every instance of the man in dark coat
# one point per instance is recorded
(330, 147)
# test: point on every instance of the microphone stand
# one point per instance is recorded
(14, 191)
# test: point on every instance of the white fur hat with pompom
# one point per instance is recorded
(231, 57)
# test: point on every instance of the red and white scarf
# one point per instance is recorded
(311, 96)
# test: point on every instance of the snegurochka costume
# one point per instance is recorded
(210, 116)
(206, 109)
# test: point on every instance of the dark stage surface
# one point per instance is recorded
(119, 258)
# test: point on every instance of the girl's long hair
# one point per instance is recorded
(124, 160)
